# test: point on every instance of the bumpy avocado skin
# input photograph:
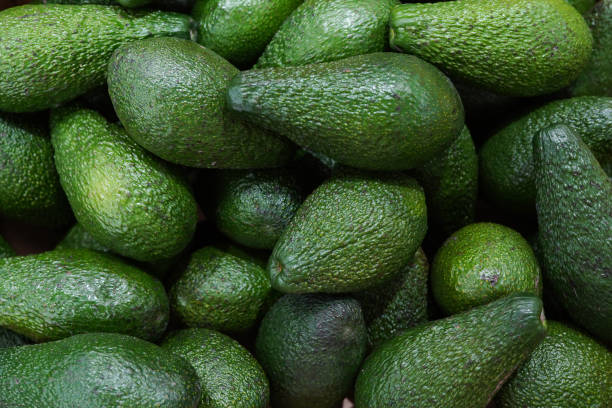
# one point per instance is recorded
(381, 111)
(230, 377)
(311, 347)
(170, 95)
(354, 231)
(30, 190)
(506, 159)
(512, 47)
(127, 199)
(96, 370)
(460, 361)
(51, 53)
(329, 30)
(573, 202)
(79, 291)
(567, 370)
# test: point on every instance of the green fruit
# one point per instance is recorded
(311, 347)
(397, 304)
(170, 95)
(459, 362)
(506, 159)
(78, 237)
(220, 291)
(573, 202)
(240, 31)
(480, 263)
(9, 338)
(254, 207)
(513, 47)
(354, 231)
(96, 370)
(52, 53)
(567, 370)
(230, 377)
(382, 111)
(582, 5)
(329, 30)
(59, 293)
(30, 190)
(5, 249)
(128, 200)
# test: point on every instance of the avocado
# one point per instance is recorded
(9, 338)
(480, 263)
(573, 202)
(51, 53)
(329, 30)
(127, 199)
(381, 111)
(458, 362)
(220, 291)
(78, 237)
(170, 95)
(596, 78)
(398, 303)
(253, 207)
(517, 48)
(450, 181)
(30, 190)
(311, 347)
(5, 249)
(506, 159)
(96, 370)
(230, 377)
(567, 370)
(354, 231)
(240, 31)
(79, 291)
(582, 5)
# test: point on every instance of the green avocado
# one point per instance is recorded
(78, 237)
(582, 5)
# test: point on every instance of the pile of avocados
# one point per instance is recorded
(306, 204)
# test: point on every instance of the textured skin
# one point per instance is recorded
(78, 237)
(596, 78)
(5, 248)
(506, 159)
(170, 95)
(125, 198)
(51, 53)
(398, 304)
(311, 347)
(30, 190)
(329, 30)
(220, 291)
(573, 202)
(354, 231)
(480, 263)
(458, 362)
(96, 370)
(230, 377)
(79, 291)
(513, 47)
(9, 338)
(582, 5)
(240, 30)
(450, 181)
(382, 111)
(254, 207)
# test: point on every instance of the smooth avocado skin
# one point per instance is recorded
(79, 291)
(127, 199)
(230, 377)
(381, 111)
(239, 31)
(30, 190)
(169, 94)
(354, 231)
(96, 370)
(311, 347)
(511, 47)
(329, 30)
(506, 160)
(5, 248)
(460, 361)
(567, 370)
(41, 66)
(573, 202)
